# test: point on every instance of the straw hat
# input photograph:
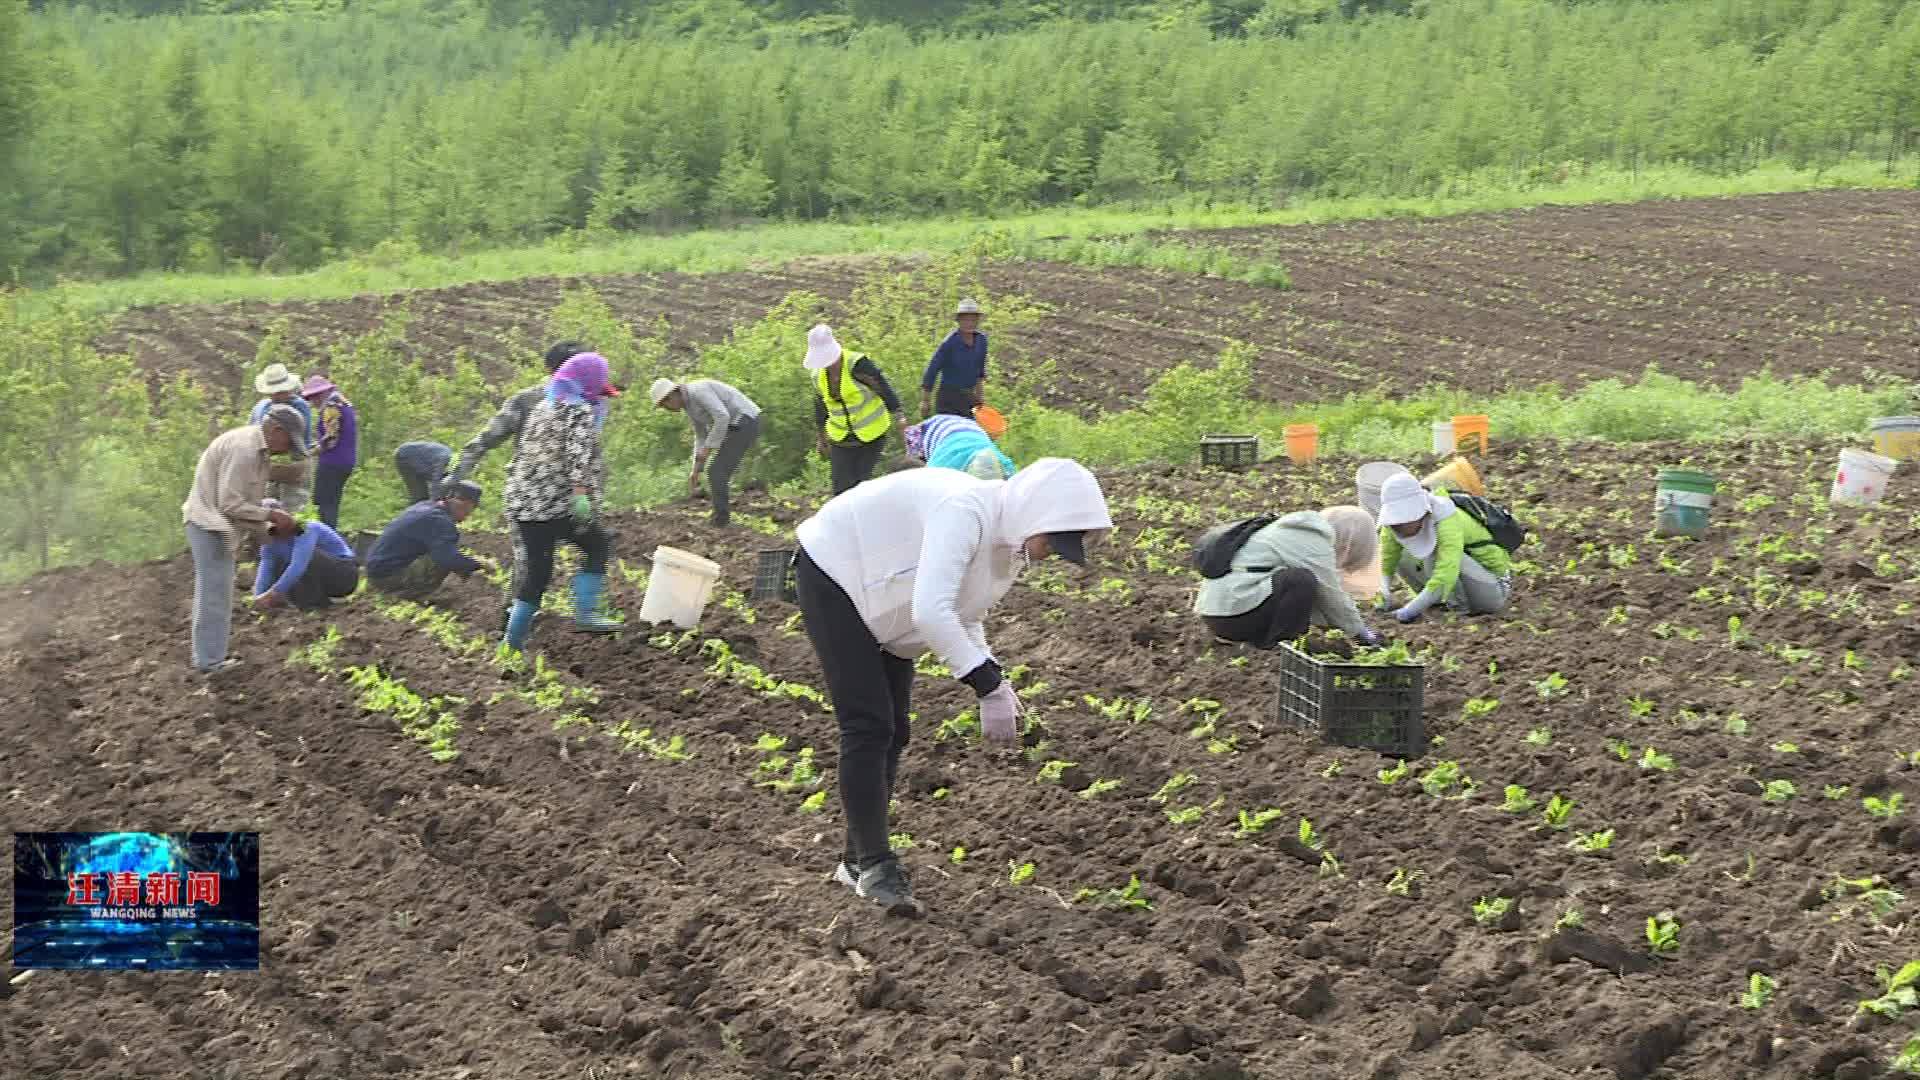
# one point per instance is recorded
(967, 307)
(276, 379)
(661, 388)
(822, 348)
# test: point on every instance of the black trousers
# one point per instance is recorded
(329, 484)
(954, 402)
(872, 692)
(534, 544)
(327, 579)
(1282, 616)
(853, 462)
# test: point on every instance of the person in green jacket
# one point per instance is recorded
(1440, 551)
(1288, 575)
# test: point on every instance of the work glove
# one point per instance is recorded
(1372, 639)
(999, 714)
(1417, 606)
(582, 508)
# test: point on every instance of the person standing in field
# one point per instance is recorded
(309, 567)
(853, 407)
(282, 387)
(1441, 551)
(555, 489)
(418, 549)
(337, 448)
(726, 424)
(955, 442)
(913, 562)
(959, 367)
(227, 502)
(422, 466)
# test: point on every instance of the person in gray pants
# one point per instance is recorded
(726, 424)
(423, 468)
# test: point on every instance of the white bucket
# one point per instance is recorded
(1443, 437)
(1367, 482)
(679, 588)
(1862, 478)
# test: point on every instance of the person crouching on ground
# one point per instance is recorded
(225, 505)
(1440, 551)
(1287, 575)
(910, 562)
(422, 465)
(554, 491)
(726, 424)
(308, 566)
(944, 441)
(418, 549)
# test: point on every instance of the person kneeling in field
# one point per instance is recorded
(1441, 551)
(911, 562)
(955, 442)
(417, 551)
(308, 566)
(1268, 578)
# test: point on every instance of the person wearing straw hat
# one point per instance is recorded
(291, 485)
(955, 442)
(726, 424)
(958, 367)
(555, 488)
(336, 446)
(911, 563)
(1439, 551)
(228, 502)
(853, 407)
(1289, 574)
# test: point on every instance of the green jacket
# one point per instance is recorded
(1301, 540)
(1457, 534)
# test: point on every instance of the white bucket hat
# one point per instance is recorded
(1403, 500)
(276, 379)
(822, 348)
(661, 388)
(967, 307)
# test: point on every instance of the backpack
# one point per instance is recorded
(1507, 532)
(1213, 555)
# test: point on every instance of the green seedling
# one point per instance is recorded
(1570, 919)
(1835, 792)
(1669, 858)
(1785, 748)
(1639, 706)
(1475, 708)
(1517, 800)
(1738, 636)
(1901, 991)
(1396, 774)
(1653, 759)
(1255, 823)
(1186, 815)
(1490, 911)
(1779, 791)
(1098, 788)
(1888, 807)
(957, 856)
(812, 803)
(1538, 737)
(1333, 769)
(1591, 842)
(1759, 991)
(1663, 935)
(1123, 899)
(1173, 786)
(1440, 780)
(1620, 748)
(1313, 840)
(902, 841)
(1404, 881)
(1736, 724)
(1553, 686)
(1873, 891)
(1051, 772)
(1019, 873)
(1557, 812)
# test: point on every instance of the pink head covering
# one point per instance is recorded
(585, 375)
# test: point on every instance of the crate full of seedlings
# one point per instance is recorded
(1364, 705)
(1230, 451)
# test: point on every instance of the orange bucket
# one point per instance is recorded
(1303, 442)
(990, 420)
(1467, 427)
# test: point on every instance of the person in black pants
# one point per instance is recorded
(958, 367)
(852, 406)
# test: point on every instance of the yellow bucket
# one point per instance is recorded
(1470, 427)
(1457, 475)
(1897, 437)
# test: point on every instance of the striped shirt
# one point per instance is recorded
(936, 428)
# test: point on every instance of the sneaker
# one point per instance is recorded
(220, 668)
(885, 883)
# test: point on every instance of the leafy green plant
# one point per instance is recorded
(1591, 842)
(1130, 897)
(1475, 708)
(957, 856)
(1639, 706)
(1396, 774)
(1570, 919)
(1173, 786)
(1663, 935)
(1835, 792)
(1888, 807)
(1557, 812)
(1441, 780)
(1490, 911)
(1653, 759)
(1404, 881)
(1019, 873)
(1052, 771)
(1517, 801)
(1759, 991)
(1252, 824)
(1553, 686)
(1900, 991)
(1779, 791)
(1620, 748)
(1538, 737)
(1097, 789)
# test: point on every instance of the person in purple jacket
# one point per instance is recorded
(337, 445)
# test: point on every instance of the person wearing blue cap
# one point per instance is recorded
(418, 549)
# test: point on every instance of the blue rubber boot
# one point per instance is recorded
(519, 622)
(586, 605)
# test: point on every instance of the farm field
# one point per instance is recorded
(1710, 290)
(615, 864)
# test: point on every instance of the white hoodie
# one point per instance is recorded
(925, 554)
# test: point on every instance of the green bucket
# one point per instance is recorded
(1683, 502)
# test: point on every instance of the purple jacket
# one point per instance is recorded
(339, 437)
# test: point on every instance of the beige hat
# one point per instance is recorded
(822, 348)
(967, 307)
(661, 388)
(276, 379)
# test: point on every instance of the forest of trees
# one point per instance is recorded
(303, 130)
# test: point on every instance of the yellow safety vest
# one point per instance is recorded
(860, 412)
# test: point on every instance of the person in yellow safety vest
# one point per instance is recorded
(853, 407)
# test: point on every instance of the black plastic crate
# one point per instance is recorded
(1230, 451)
(773, 577)
(1363, 706)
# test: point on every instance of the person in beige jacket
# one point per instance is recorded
(223, 508)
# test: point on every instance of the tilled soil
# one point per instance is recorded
(568, 898)
(1708, 289)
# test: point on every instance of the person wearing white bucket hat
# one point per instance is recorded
(726, 424)
(852, 408)
(1440, 551)
(282, 387)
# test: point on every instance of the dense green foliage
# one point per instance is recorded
(280, 141)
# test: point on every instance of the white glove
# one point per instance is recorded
(999, 712)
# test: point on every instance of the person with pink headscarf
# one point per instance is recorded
(554, 490)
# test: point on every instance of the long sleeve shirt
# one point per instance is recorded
(506, 424)
(422, 529)
(228, 483)
(424, 458)
(712, 408)
(1301, 541)
(559, 452)
(284, 561)
(1455, 535)
(866, 371)
(339, 435)
(957, 365)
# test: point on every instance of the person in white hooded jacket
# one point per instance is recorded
(909, 563)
